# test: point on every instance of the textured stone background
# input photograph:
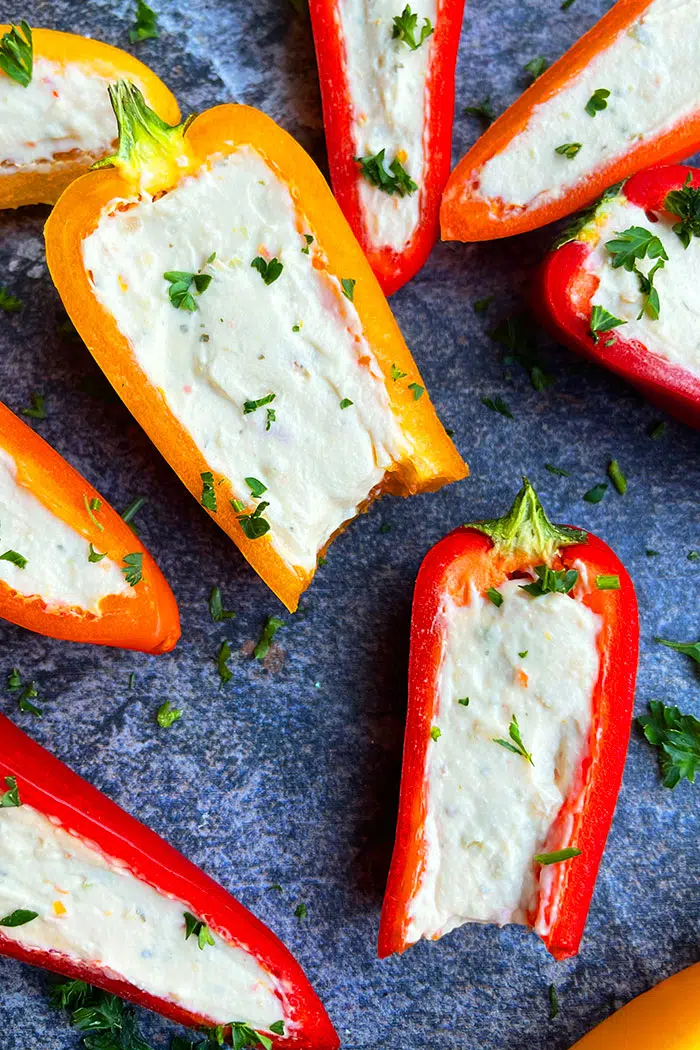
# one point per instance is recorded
(290, 773)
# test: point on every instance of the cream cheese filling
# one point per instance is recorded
(299, 338)
(57, 567)
(675, 334)
(488, 810)
(65, 107)
(93, 910)
(652, 71)
(387, 83)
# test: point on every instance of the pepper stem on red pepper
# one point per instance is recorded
(148, 146)
(526, 529)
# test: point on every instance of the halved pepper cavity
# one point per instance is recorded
(409, 76)
(141, 613)
(614, 288)
(155, 158)
(43, 788)
(53, 59)
(479, 558)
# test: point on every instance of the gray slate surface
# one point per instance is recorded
(290, 774)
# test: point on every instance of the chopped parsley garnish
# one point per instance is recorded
(133, 568)
(277, 1027)
(146, 27)
(108, 1023)
(8, 302)
(596, 494)
(11, 797)
(391, 179)
(677, 738)
(693, 555)
(272, 626)
(131, 680)
(301, 911)
(608, 583)
(181, 283)
(497, 404)
(657, 430)
(257, 489)
(495, 597)
(417, 389)
(515, 334)
(483, 111)
(627, 249)
(208, 497)
(551, 581)
(92, 507)
(269, 271)
(405, 26)
(515, 744)
(598, 101)
(17, 54)
(254, 525)
(553, 997)
(482, 305)
(346, 403)
(19, 917)
(523, 654)
(348, 285)
(396, 373)
(216, 607)
(242, 1036)
(385, 528)
(557, 470)
(223, 670)
(309, 241)
(685, 205)
(27, 693)
(603, 321)
(536, 66)
(296, 327)
(94, 555)
(37, 410)
(167, 714)
(14, 680)
(435, 732)
(617, 477)
(568, 149)
(650, 296)
(557, 856)
(250, 406)
(17, 559)
(650, 553)
(196, 928)
(464, 701)
(691, 649)
(130, 512)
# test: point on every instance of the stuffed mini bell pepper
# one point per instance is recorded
(626, 96)
(387, 84)
(56, 116)
(523, 659)
(621, 287)
(89, 892)
(70, 567)
(215, 281)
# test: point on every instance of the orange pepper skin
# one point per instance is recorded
(465, 216)
(34, 185)
(146, 619)
(218, 132)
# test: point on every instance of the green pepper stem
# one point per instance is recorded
(145, 140)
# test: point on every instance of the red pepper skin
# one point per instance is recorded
(466, 557)
(55, 791)
(562, 300)
(392, 268)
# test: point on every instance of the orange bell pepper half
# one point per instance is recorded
(613, 104)
(71, 544)
(216, 282)
(56, 115)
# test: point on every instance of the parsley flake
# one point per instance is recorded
(617, 477)
(557, 470)
(92, 506)
(346, 403)
(495, 597)
(557, 856)
(417, 389)
(216, 607)
(691, 649)
(181, 283)
(657, 430)
(568, 149)
(608, 583)
(553, 997)
(224, 671)
(517, 746)
(270, 629)
(435, 732)
(269, 271)
(196, 928)
(17, 54)
(405, 29)
(597, 102)
(463, 701)
(677, 738)
(167, 715)
(497, 404)
(551, 581)
(396, 373)
(684, 204)
(536, 67)
(15, 558)
(391, 179)
(257, 489)
(19, 917)
(301, 911)
(94, 555)
(483, 111)
(208, 497)
(11, 797)
(603, 321)
(348, 284)
(146, 27)
(596, 494)
(482, 305)
(133, 568)
(251, 406)
(254, 525)
(8, 302)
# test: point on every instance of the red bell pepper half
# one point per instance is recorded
(650, 222)
(483, 556)
(37, 779)
(342, 114)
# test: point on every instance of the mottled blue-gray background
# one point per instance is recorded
(290, 773)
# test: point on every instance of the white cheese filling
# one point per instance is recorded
(652, 71)
(299, 338)
(93, 910)
(57, 568)
(63, 108)
(489, 810)
(387, 82)
(675, 335)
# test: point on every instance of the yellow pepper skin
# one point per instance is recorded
(665, 1018)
